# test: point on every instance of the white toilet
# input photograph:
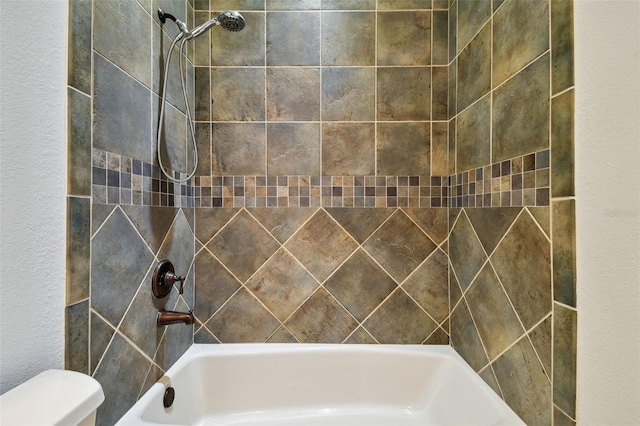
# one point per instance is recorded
(53, 397)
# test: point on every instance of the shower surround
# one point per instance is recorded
(360, 181)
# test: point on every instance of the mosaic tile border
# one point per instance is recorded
(520, 181)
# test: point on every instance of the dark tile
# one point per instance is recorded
(349, 4)
(293, 149)
(541, 341)
(440, 48)
(348, 94)
(472, 15)
(79, 51)
(238, 94)
(360, 285)
(465, 339)
(497, 323)
(399, 320)
(439, 148)
(452, 147)
(119, 261)
(126, 44)
(152, 223)
(121, 373)
(440, 93)
(321, 319)
(561, 419)
(240, 48)
(121, 112)
(238, 149)
(473, 136)
(159, 53)
(564, 358)
(360, 223)
(175, 342)
(78, 143)
(453, 30)
(210, 221)
(562, 68)
(433, 221)
(204, 336)
(348, 38)
(236, 4)
(524, 385)
(438, 337)
(403, 149)
(202, 45)
(399, 246)
(429, 285)
(522, 261)
(202, 93)
(542, 215)
(101, 334)
(293, 5)
(474, 69)
(282, 335)
(348, 149)
(465, 251)
(243, 246)
(153, 375)
(562, 145)
(404, 4)
(520, 34)
(489, 377)
(243, 320)
(455, 291)
(76, 353)
(564, 251)
(214, 285)
(203, 144)
(321, 246)
(178, 245)
(491, 224)
(78, 247)
(521, 112)
(282, 223)
(404, 93)
(282, 284)
(293, 38)
(404, 38)
(293, 94)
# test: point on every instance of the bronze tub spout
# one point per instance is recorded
(173, 317)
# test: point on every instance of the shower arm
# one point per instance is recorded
(181, 25)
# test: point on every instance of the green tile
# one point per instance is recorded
(76, 353)
(429, 285)
(474, 70)
(79, 61)
(440, 50)
(562, 68)
(465, 339)
(472, 15)
(564, 358)
(473, 136)
(293, 38)
(562, 145)
(465, 251)
(78, 249)
(404, 38)
(564, 251)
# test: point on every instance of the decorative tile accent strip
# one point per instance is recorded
(520, 181)
(118, 179)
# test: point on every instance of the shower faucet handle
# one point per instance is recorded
(164, 277)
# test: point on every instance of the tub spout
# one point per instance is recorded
(173, 317)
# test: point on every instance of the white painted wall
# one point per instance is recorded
(608, 211)
(32, 187)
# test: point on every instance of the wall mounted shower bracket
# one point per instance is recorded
(164, 277)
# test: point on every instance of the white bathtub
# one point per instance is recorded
(310, 385)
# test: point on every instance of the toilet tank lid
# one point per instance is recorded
(53, 397)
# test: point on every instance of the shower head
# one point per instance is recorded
(229, 20)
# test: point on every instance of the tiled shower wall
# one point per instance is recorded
(322, 128)
(512, 279)
(122, 217)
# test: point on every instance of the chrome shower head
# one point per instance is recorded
(229, 20)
